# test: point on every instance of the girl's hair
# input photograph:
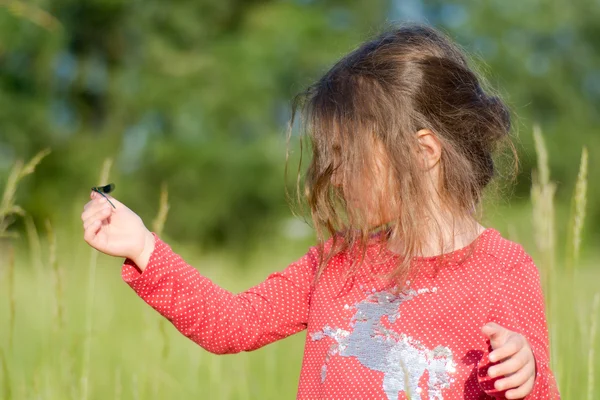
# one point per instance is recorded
(378, 97)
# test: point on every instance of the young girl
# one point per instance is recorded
(409, 297)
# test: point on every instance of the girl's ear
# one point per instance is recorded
(430, 149)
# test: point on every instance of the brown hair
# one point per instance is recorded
(405, 80)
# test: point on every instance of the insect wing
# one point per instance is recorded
(104, 189)
(109, 188)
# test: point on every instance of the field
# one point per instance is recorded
(72, 329)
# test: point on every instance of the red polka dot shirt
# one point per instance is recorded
(364, 340)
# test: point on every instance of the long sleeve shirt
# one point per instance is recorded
(365, 340)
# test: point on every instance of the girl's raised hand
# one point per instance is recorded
(116, 231)
(518, 363)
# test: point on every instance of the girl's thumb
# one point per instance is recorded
(496, 334)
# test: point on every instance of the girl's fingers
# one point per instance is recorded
(522, 390)
(98, 200)
(515, 380)
(91, 231)
(100, 215)
(497, 334)
(512, 346)
(88, 204)
(93, 207)
(92, 210)
(509, 366)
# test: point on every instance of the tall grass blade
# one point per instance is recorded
(162, 327)
(135, 391)
(573, 247)
(29, 168)
(542, 197)
(406, 375)
(6, 387)
(11, 295)
(157, 226)
(542, 155)
(578, 204)
(118, 384)
(592, 347)
(242, 376)
(159, 222)
(87, 348)
(270, 373)
(8, 208)
(11, 186)
(35, 247)
(58, 284)
(8, 197)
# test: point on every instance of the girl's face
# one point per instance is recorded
(367, 192)
(370, 193)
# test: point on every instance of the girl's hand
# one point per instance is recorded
(518, 363)
(116, 231)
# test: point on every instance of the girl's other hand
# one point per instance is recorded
(116, 231)
(518, 363)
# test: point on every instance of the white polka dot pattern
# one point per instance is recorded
(447, 307)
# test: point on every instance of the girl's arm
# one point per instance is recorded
(216, 319)
(518, 306)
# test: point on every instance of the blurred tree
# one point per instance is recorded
(196, 93)
(545, 58)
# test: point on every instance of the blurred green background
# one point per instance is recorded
(196, 95)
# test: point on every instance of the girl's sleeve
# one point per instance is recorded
(216, 319)
(518, 305)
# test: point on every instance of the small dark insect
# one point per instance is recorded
(105, 189)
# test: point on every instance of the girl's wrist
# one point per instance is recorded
(142, 259)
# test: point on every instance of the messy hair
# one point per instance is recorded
(384, 92)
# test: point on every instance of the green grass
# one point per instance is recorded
(71, 329)
(127, 357)
(127, 343)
